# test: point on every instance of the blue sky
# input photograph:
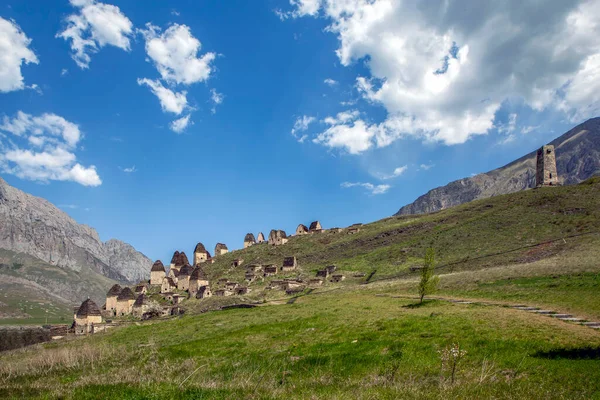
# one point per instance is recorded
(295, 111)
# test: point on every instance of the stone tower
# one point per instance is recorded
(546, 174)
(200, 254)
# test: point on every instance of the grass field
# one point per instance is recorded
(342, 344)
(369, 340)
(29, 308)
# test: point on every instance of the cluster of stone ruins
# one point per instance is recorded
(184, 280)
(189, 280)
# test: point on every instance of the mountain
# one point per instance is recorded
(31, 289)
(577, 158)
(33, 226)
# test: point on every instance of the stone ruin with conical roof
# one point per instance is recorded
(157, 273)
(200, 254)
(249, 240)
(87, 316)
(221, 249)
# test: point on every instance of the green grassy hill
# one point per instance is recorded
(35, 292)
(515, 229)
(369, 340)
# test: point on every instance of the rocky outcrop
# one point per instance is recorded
(129, 262)
(33, 226)
(577, 159)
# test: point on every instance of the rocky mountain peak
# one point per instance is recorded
(34, 226)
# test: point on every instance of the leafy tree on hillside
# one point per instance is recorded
(429, 282)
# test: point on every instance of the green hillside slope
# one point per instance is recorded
(510, 229)
(35, 292)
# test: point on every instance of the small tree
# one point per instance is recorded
(429, 281)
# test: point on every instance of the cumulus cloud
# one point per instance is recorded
(301, 125)
(14, 51)
(442, 71)
(179, 125)
(45, 127)
(94, 26)
(51, 140)
(373, 189)
(397, 172)
(301, 8)
(582, 93)
(347, 132)
(426, 167)
(330, 82)
(170, 101)
(175, 54)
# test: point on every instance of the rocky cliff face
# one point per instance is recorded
(34, 226)
(577, 158)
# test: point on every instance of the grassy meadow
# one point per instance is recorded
(369, 340)
(342, 344)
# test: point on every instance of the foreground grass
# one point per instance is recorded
(351, 344)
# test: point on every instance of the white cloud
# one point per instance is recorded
(55, 164)
(509, 126)
(342, 117)
(426, 167)
(170, 101)
(443, 72)
(397, 172)
(374, 189)
(52, 139)
(175, 54)
(582, 94)
(347, 132)
(355, 137)
(36, 88)
(14, 51)
(302, 8)
(330, 82)
(44, 127)
(129, 170)
(93, 27)
(217, 98)
(64, 72)
(301, 125)
(529, 128)
(179, 125)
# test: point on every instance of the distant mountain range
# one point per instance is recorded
(46, 249)
(577, 158)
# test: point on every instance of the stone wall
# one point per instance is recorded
(156, 278)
